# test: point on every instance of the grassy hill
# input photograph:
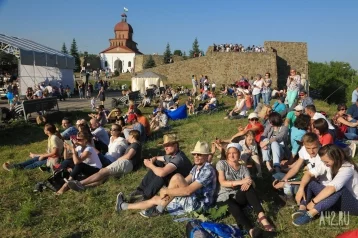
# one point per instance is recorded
(91, 213)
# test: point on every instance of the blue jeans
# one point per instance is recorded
(277, 153)
(256, 99)
(31, 163)
(266, 97)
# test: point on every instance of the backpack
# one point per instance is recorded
(198, 229)
(56, 180)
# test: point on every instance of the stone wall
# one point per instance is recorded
(220, 67)
(290, 55)
(158, 59)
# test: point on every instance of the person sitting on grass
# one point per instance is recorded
(279, 106)
(132, 120)
(237, 191)
(145, 102)
(190, 105)
(291, 116)
(100, 116)
(341, 191)
(212, 104)
(84, 157)
(160, 121)
(249, 151)
(116, 117)
(100, 136)
(162, 168)
(190, 193)
(50, 158)
(239, 111)
(69, 129)
(274, 142)
(121, 166)
(346, 125)
(300, 128)
(116, 148)
(320, 127)
(144, 121)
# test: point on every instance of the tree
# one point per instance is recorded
(150, 63)
(64, 48)
(184, 56)
(75, 54)
(334, 80)
(167, 54)
(178, 52)
(195, 50)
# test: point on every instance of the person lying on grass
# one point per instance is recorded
(162, 168)
(50, 158)
(123, 165)
(237, 191)
(84, 157)
(189, 194)
(341, 192)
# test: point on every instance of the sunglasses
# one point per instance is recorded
(79, 139)
(298, 111)
(343, 109)
(253, 119)
(196, 154)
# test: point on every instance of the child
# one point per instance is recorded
(93, 103)
(145, 102)
(279, 106)
(249, 150)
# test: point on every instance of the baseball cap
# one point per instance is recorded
(299, 108)
(253, 115)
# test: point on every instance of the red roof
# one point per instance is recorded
(123, 26)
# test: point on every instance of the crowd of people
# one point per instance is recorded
(282, 139)
(237, 48)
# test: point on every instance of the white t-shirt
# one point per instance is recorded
(242, 104)
(258, 84)
(116, 149)
(318, 115)
(315, 165)
(346, 176)
(93, 160)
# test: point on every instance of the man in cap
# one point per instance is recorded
(305, 99)
(190, 193)
(291, 116)
(134, 125)
(162, 168)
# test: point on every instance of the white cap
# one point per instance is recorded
(234, 145)
(299, 108)
(253, 115)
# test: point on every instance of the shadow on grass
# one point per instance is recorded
(79, 234)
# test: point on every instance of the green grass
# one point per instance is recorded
(91, 214)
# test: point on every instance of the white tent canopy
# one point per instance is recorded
(144, 80)
(38, 63)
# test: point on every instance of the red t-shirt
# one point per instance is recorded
(326, 139)
(258, 132)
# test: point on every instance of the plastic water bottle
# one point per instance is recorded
(287, 189)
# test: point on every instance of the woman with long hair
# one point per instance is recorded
(320, 127)
(237, 190)
(340, 191)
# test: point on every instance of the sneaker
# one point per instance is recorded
(7, 166)
(76, 185)
(297, 214)
(151, 212)
(302, 220)
(119, 201)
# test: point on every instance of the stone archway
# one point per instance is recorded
(118, 65)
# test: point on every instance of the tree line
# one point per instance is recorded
(168, 55)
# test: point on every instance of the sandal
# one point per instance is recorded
(268, 227)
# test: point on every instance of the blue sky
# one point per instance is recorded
(328, 26)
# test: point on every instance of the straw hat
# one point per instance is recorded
(169, 138)
(201, 147)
